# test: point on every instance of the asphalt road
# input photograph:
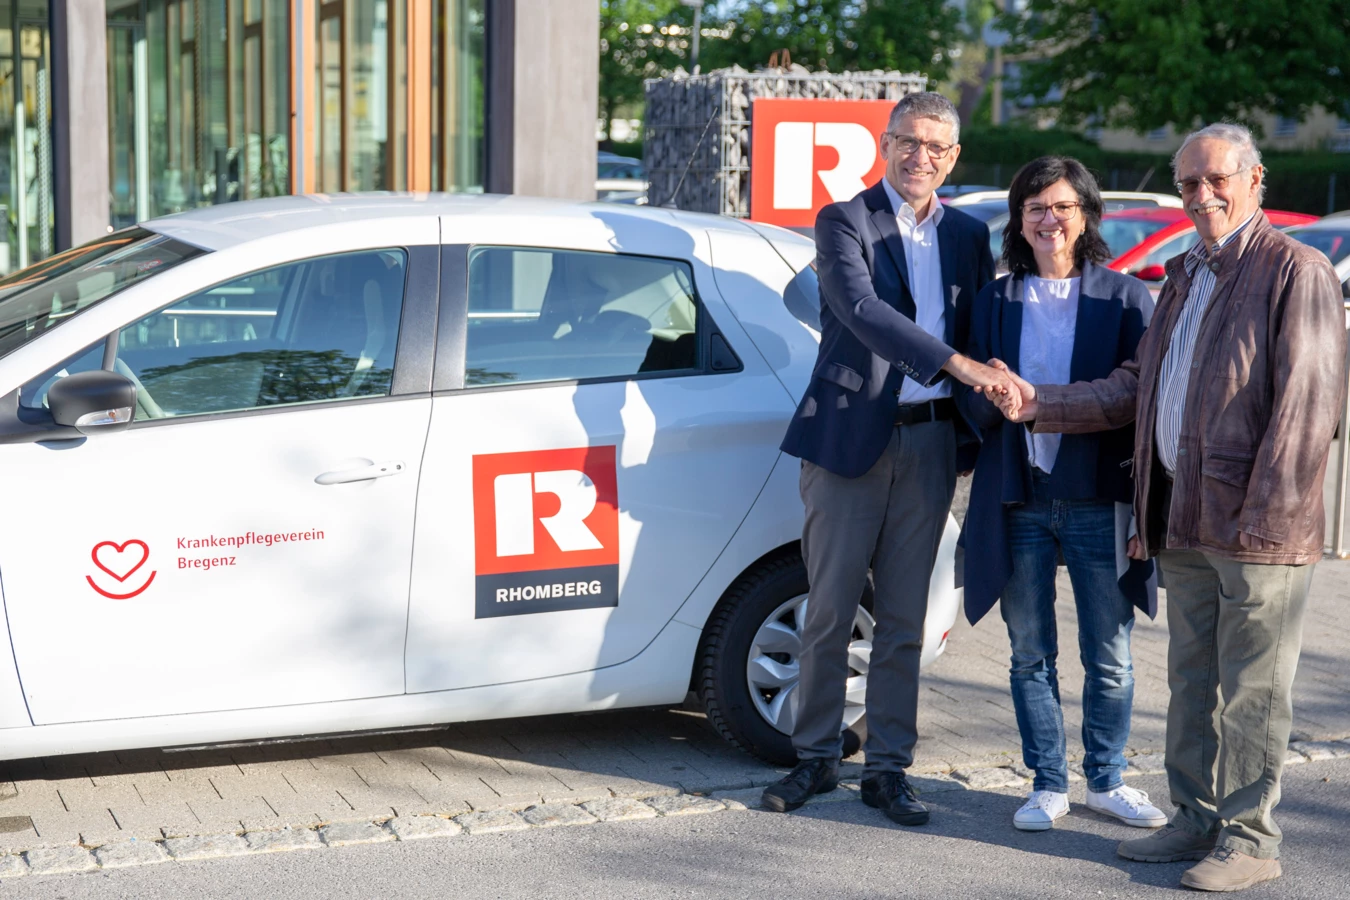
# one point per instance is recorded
(838, 850)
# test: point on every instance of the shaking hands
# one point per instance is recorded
(1014, 397)
(993, 380)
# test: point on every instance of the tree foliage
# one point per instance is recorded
(1144, 64)
(840, 35)
(639, 39)
(642, 39)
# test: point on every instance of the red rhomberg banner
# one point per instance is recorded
(807, 153)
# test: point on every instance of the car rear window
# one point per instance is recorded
(1124, 234)
(37, 299)
(1334, 242)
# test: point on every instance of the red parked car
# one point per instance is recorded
(1144, 239)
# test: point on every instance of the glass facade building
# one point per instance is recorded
(211, 101)
(118, 111)
(26, 203)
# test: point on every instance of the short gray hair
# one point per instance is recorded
(927, 105)
(1237, 136)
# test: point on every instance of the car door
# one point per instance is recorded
(247, 541)
(595, 442)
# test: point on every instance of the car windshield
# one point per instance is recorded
(1124, 234)
(1334, 242)
(39, 298)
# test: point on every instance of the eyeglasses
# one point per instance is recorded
(907, 144)
(1063, 212)
(1215, 181)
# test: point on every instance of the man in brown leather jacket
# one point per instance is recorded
(1237, 387)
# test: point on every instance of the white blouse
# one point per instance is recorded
(1049, 319)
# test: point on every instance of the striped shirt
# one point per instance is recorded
(1177, 364)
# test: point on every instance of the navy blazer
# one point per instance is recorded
(1113, 311)
(869, 342)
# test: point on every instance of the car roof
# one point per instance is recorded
(1162, 200)
(1330, 223)
(229, 225)
(1156, 214)
(985, 209)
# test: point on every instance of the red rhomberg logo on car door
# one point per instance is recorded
(546, 531)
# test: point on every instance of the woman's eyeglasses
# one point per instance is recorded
(1063, 212)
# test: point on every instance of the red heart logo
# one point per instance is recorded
(116, 559)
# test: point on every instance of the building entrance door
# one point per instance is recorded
(26, 206)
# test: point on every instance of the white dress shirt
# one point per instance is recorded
(925, 283)
(1049, 320)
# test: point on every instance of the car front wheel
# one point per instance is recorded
(748, 666)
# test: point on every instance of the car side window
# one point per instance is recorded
(317, 330)
(562, 315)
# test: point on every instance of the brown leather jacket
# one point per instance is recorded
(1264, 397)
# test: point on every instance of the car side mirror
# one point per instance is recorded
(97, 402)
(1151, 273)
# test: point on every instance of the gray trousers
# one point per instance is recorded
(890, 519)
(1235, 633)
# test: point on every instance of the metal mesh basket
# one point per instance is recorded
(697, 133)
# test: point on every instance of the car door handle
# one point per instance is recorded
(361, 473)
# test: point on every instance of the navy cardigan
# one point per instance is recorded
(1113, 311)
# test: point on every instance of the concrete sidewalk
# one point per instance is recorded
(966, 725)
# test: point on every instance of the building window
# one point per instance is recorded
(1158, 134)
(27, 231)
(1342, 124)
(1285, 126)
(199, 103)
(361, 84)
(457, 104)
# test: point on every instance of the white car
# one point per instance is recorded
(328, 464)
(1112, 201)
(620, 179)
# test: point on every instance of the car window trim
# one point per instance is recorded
(452, 343)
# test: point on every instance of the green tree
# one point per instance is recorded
(639, 39)
(1144, 64)
(839, 35)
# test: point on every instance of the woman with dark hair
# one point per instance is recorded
(1059, 316)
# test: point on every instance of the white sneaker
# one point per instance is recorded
(1129, 805)
(1041, 810)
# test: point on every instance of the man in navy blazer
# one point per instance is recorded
(877, 432)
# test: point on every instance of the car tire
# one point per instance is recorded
(723, 679)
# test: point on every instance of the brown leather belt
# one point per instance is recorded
(939, 410)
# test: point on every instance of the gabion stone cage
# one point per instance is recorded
(697, 133)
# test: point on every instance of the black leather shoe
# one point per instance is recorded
(810, 777)
(892, 793)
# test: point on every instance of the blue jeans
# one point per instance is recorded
(1084, 532)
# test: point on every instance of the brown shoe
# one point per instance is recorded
(1167, 844)
(1228, 870)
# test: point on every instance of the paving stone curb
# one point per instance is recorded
(341, 834)
(414, 828)
(282, 841)
(12, 866)
(551, 815)
(59, 860)
(121, 854)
